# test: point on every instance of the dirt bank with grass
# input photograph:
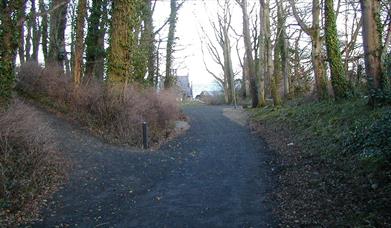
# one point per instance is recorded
(333, 162)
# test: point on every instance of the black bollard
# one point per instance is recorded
(145, 135)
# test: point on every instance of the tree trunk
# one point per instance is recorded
(36, 33)
(169, 81)
(283, 46)
(317, 60)
(9, 42)
(338, 78)
(28, 37)
(372, 48)
(316, 51)
(21, 35)
(121, 42)
(58, 23)
(261, 59)
(79, 46)
(44, 31)
(269, 69)
(246, 80)
(150, 40)
(249, 55)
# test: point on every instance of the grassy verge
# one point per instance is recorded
(334, 162)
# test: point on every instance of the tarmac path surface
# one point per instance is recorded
(215, 175)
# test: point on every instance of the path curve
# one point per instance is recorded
(215, 175)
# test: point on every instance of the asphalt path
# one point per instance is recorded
(215, 175)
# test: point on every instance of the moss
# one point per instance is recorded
(341, 86)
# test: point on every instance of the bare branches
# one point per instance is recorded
(301, 23)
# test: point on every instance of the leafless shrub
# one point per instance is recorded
(115, 112)
(30, 164)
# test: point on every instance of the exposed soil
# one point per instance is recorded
(217, 174)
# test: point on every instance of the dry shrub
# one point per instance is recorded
(30, 164)
(115, 112)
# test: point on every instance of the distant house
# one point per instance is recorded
(184, 86)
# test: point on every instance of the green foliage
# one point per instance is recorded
(382, 95)
(372, 144)
(6, 80)
(324, 126)
(352, 143)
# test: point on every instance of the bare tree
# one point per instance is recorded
(317, 44)
(79, 46)
(372, 47)
(249, 53)
(222, 55)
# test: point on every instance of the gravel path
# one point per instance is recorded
(215, 175)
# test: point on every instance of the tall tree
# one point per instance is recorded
(95, 50)
(58, 23)
(36, 37)
(79, 47)
(21, 34)
(338, 79)
(316, 40)
(169, 80)
(222, 53)
(10, 19)
(249, 53)
(261, 54)
(149, 37)
(371, 33)
(44, 30)
(122, 42)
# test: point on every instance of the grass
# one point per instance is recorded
(348, 143)
(323, 126)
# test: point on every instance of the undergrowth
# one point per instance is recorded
(355, 140)
(30, 163)
(114, 112)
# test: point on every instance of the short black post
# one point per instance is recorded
(145, 135)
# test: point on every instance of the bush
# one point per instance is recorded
(114, 112)
(30, 164)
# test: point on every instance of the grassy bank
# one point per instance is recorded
(334, 162)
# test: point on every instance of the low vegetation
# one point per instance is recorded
(30, 163)
(334, 163)
(113, 112)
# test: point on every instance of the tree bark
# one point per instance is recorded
(44, 31)
(121, 42)
(9, 42)
(169, 80)
(36, 32)
(372, 47)
(316, 51)
(58, 20)
(261, 59)
(338, 79)
(79, 46)
(249, 54)
(150, 40)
